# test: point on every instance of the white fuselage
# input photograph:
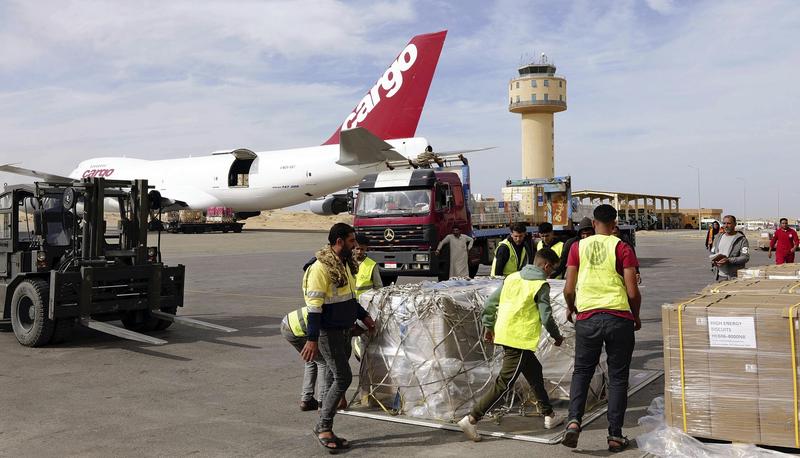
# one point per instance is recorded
(277, 179)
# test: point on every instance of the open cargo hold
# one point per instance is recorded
(730, 364)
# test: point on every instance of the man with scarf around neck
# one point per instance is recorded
(329, 293)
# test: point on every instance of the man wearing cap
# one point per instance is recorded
(585, 229)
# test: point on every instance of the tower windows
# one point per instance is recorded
(533, 97)
(517, 84)
(560, 84)
(533, 83)
(561, 97)
(546, 97)
(517, 99)
(546, 83)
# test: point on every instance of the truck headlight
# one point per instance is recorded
(421, 257)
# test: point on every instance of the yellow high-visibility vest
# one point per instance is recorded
(298, 322)
(558, 247)
(513, 264)
(364, 276)
(600, 286)
(518, 324)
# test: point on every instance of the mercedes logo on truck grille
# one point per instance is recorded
(388, 234)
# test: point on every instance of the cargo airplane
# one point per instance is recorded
(379, 130)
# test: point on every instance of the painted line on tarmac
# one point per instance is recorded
(253, 296)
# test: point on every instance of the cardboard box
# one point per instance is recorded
(754, 286)
(743, 389)
(775, 272)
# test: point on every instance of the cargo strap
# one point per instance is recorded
(716, 289)
(681, 307)
(792, 311)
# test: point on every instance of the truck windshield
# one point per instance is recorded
(382, 203)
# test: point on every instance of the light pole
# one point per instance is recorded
(744, 200)
(699, 211)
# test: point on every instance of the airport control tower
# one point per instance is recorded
(536, 94)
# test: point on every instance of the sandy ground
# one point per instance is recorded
(305, 220)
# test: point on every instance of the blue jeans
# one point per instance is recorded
(618, 337)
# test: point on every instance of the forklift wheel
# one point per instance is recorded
(29, 314)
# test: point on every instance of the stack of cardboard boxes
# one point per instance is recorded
(531, 200)
(494, 213)
(730, 362)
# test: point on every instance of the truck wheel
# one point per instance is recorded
(164, 324)
(29, 314)
(237, 229)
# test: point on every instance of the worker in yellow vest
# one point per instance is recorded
(603, 301)
(368, 276)
(294, 328)
(513, 317)
(547, 238)
(511, 254)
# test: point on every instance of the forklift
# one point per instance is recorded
(63, 264)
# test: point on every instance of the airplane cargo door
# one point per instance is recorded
(239, 172)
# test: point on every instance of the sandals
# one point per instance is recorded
(617, 444)
(311, 404)
(332, 444)
(571, 435)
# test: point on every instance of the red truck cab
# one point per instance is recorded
(405, 213)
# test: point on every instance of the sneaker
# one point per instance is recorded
(470, 430)
(553, 420)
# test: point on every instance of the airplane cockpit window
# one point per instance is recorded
(394, 203)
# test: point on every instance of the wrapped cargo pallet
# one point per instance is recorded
(428, 360)
(730, 363)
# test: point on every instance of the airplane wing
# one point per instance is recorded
(359, 146)
(463, 151)
(34, 173)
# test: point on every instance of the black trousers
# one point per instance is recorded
(515, 362)
(590, 336)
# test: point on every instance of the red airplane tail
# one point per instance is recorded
(392, 108)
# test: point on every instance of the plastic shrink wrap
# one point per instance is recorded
(428, 359)
(660, 439)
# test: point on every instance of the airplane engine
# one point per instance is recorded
(331, 205)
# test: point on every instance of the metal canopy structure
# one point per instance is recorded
(627, 202)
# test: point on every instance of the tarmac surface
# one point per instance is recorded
(213, 394)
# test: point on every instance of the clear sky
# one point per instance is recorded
(654, 85)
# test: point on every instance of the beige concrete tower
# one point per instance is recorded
(536, 94)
